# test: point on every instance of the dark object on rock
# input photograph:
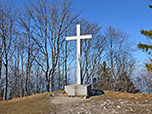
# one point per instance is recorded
(95, 92)
(51, 95)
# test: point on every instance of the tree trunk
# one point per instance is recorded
(22, 74)
(25, 85)
(18, 74)
(59, 76)
(47, 82)
(0, 70)
(15, 78)
(27, 67)
(6, 68)
(6, 77)
(51, 88)
(86, 67)
(51, 78)
(66, 54)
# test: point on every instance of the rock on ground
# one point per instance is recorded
(93, 105)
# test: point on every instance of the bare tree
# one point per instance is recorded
(25, 23)
(17, 68)
(119, 56)
(144, 81)
(50, 23)
(7, 21)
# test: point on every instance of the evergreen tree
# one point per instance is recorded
(125, 84)
(104, 80)
(147, 47)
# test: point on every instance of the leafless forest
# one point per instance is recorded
(35, 58)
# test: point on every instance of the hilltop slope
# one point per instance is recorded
(110, 102)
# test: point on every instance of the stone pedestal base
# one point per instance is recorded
(77, 90)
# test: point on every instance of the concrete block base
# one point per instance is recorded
(77, 90)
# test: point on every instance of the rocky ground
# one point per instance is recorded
(100, 105)
(59, 103)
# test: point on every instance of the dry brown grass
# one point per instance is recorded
(35, 104)
(129, 96)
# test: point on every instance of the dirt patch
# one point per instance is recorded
(66, 100)
(103, 104)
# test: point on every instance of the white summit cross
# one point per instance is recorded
(78, 37)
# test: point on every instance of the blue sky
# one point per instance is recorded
(128, 15)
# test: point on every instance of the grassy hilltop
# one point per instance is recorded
(59, 103)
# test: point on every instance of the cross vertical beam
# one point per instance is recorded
(78, 56)
(78, 38)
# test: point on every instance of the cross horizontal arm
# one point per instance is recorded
(72, 38)
(86, 36)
